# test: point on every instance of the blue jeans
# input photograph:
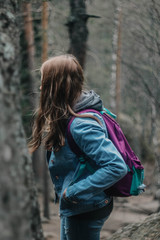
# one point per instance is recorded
(75, 228)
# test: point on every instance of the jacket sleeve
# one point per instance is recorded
(92, 138)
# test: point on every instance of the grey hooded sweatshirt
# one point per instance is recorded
(87, 100)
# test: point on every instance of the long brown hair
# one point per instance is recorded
(62, 81)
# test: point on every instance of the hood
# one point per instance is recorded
(88, 99)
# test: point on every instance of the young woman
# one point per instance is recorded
(84, 206)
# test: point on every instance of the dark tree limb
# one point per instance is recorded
(78, 31)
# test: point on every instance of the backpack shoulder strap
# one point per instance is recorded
(74, 147)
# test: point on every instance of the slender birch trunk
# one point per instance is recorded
(115, 90)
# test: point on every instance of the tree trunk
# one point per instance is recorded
(19, 210)
(32, 83)
(29, 36)
(115, 90)
(118, 64)
(44, 31)
(44, 58)
(78, 32)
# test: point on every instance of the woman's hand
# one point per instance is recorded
(64, 193)
(64, 196)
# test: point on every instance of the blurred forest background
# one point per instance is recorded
(118, 44)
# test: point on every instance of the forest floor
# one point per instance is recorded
(126, 211)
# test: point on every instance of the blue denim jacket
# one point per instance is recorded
(86, 193)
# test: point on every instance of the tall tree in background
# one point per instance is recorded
(31, 87)
(78, 32)
(115, 90)
(44, 31)
(44, 58)
(29, 37)
(19, 210)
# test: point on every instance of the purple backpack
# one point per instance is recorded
(132, 182)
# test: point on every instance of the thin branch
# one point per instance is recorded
(155, 9)
(134, 69)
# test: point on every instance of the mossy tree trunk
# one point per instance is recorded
(19, 210)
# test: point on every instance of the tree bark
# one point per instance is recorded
(32, 83)
(44, 58)
(115, 90)
(29, 36)
(19, 210)
(44, 31)
(118, 64)
(78, 32)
